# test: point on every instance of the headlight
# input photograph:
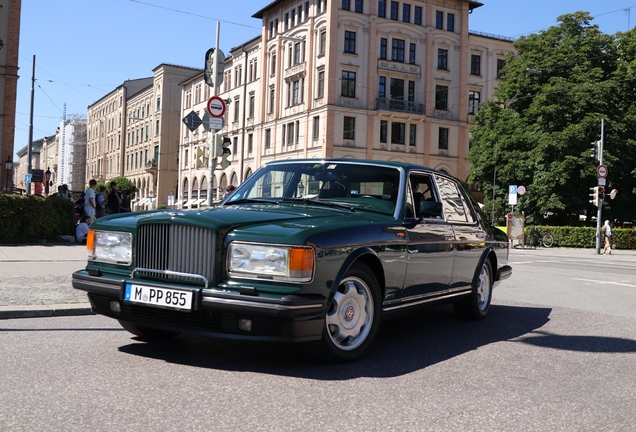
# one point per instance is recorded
(109, 247)
(282, 263)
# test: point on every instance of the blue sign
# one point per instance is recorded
(27, 178)
(512, 190)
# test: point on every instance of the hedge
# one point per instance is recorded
(32, 219)
(585, 237)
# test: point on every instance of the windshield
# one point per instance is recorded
(359, 186)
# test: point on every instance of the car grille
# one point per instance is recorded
(166, 248)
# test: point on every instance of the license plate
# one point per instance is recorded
(155, 296)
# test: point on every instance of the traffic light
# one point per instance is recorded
(201, 157)
(214, 67)
(596, 150)
(221, 149)
(594, 197)
(601, 194)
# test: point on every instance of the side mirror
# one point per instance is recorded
(431, 209)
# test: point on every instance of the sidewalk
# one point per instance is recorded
(35, 280)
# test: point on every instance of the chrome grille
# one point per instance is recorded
(182, 249)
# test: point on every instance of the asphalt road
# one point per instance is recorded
(544, 360)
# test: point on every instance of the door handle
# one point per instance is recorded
(449, 235)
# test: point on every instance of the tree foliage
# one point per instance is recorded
(556, 90)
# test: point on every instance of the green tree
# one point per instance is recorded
(123, 184)
(554, 93)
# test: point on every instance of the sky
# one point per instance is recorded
(84, 49)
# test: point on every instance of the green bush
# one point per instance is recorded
(585, 237)
(31, 219)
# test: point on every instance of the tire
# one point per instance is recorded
(353, 319)
(148, 333)
(548, 240)
(477, 305)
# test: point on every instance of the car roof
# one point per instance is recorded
(396, 164)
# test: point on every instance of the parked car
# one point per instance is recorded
(304, 250)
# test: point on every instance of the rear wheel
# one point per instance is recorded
(477, 305)
(547, 240)
(353, 318)
(148, 333)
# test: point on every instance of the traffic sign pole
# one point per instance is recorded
(213, 131)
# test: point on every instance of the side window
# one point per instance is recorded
(424, 199)
(455, 207)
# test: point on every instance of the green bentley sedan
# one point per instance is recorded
(316, 251)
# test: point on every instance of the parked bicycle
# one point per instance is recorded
(541, 237)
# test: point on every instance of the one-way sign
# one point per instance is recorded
(192, 121)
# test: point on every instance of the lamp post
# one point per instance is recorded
(47, 175)
(8, 166)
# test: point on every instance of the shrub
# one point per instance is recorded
(29, 219)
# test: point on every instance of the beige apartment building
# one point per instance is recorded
(364, 79)
(133, 132)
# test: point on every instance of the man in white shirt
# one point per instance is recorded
(89, 200)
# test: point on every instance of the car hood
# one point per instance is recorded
(252, 222)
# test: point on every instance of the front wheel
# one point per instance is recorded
(547, 240)
(353, 318)
(477, 305)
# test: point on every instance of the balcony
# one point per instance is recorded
(151, 166)
(399, 105)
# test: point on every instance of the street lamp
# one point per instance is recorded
(8, 166)
(47, 174)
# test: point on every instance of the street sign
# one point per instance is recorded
(601, 181)
(521, 190)
(27, 178)
(602, 171)
(212, 123)
(216, 107)
(192, 121)
(512, 194)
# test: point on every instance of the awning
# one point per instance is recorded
(189, 203)
(141, 202)
(201, 201)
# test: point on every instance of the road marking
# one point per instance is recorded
(606, 282)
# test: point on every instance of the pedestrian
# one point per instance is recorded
(60, 192)
(125, 202)
(89, 200)
(65, 193)
(607, 232)
(114, 200)
(81, 230)
(229, 189)
(101, 202)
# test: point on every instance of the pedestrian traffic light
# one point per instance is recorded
(594, 197)
(596, 150)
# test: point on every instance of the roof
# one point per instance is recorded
(471, 5)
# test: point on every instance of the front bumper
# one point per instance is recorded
(288, 318)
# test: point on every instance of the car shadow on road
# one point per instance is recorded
(403, 345)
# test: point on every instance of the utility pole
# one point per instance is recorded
(30, 143)
(600, 201)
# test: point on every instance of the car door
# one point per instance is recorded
(469, 234)
(430, 242)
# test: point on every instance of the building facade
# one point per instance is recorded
(133, 132)
(364, 79)
(10, 36)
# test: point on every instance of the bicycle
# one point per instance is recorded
(541, 238)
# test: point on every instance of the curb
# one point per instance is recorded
(75, 309)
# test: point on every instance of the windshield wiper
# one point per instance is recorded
(252, 201)
(319, 202)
